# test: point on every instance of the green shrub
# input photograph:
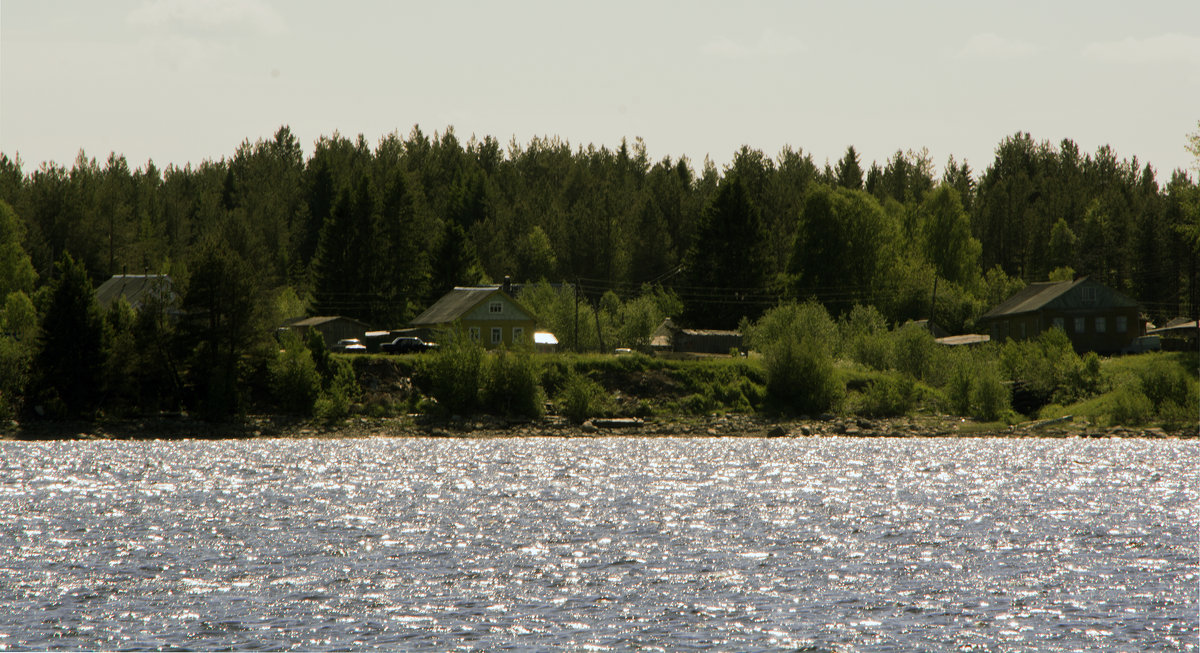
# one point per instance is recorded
(454, 373)
(1049, 366)
(698, 404)
(808, 321)
(873, 350)
(889, 396)
(958, 390)
(801, 378)
(15, 359)
(1130, 406)
(865, 338)
(1174, 416)
(990, 397)
(582, 398)
(914, 352)
(320, 355)
(295, 381)
(511, 386)
(1164, 384)
(343, 391)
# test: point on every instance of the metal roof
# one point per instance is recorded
(1039, 295)
(136, 288)
(1032, 297)
(1177, 326)
(318, 320)
(458, 302)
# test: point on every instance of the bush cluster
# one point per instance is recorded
(581, 398)
(463, 379)
(512, 385)
(1049, 366)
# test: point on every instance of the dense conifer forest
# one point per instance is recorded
(378, 232)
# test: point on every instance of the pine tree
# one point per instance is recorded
(729, 268)
(70, 364)
(849, 173)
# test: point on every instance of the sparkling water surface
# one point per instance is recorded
(601, 544)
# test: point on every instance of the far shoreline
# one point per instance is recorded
(488, 427)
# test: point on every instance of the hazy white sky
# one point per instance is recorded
(180, 81)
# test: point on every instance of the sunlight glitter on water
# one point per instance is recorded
(602, 543)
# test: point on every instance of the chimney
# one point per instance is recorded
(507, 287)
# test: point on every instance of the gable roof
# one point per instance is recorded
(668, 327)
(457, 303)
(135, 288)
(318, 320)
(1039, 295)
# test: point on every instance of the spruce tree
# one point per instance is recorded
(70, 364)
(728, 268)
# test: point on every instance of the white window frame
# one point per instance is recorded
(473, 333)
(1089, 294)
(1081, 325)
(1060, 324)
(497, 335)
(1121, 324)
(1101, 324)
(496, 307)
(518, 333)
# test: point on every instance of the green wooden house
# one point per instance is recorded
(487, 315)
(1094, 316)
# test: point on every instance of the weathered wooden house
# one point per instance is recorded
(486, 314)
(332, 327)
(1180, 334)
(669, 337)
(139, 290)
(1094, 316)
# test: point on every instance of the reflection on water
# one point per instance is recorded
(610, 543)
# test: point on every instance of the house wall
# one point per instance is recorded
(1094, 330)
(498, 312)
(706, 343)
(507, 330)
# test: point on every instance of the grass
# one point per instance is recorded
(1131, 392)
(1124, 401)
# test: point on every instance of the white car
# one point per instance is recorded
(350, 346)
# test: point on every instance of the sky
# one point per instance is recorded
(183, 81)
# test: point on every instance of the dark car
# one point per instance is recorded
(406, 345)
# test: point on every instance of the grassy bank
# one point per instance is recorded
(1146, 390)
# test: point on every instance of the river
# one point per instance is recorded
(740, 544)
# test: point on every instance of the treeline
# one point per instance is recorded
(378, 233)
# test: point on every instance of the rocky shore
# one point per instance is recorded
(554, 426)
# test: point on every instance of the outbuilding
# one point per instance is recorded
(332, 327)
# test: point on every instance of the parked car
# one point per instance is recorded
(349, 346)
(407, 345)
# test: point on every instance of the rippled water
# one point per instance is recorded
(621, 543)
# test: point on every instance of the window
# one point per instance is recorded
(1121, 324)
(1060, 324)
(1022, 325)
(1089, 294)
(518, 334)
(1080, 325)
(1101, 325)
(495, 307)
(497, 335)
(473, 332)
